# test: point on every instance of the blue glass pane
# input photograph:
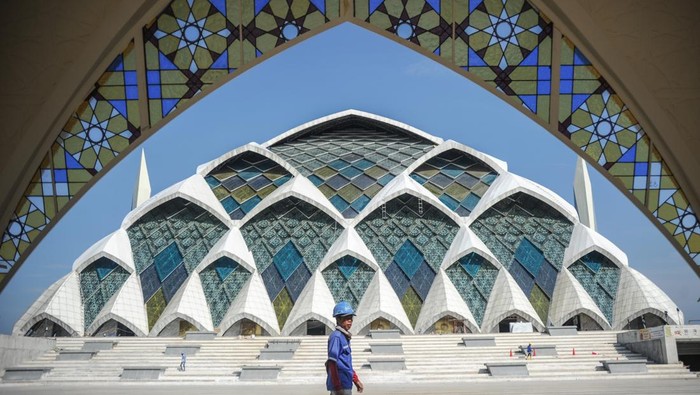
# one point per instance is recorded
(282, 180)
(297, 281)
(591, 262)
(360, 203)
(423, 280)
(104, 266)
(339, 203)
(350, 172)
(233, 183)
(396, 278)
(529, 256)
(287, 260)
(250, 203)
(166, 261)
(347, 265)
(174, 281)
(449, 201)
(315, 180)
(273, 281)
(229, 204)
(522, 277)
(149, 282)
(470, 201)
(547, 278)
(363, 164)
(409, 258)
(224, 266)
(471, 263)
(338, 164)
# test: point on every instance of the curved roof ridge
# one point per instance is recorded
(347, 114)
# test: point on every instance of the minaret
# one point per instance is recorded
(583, 194)
(143, 185)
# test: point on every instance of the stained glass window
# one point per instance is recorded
(600, 278)
(409, 241)
(242, 182)
(168, 243)
(221, 282)
(288, 241)
(458, 179)
(350, 164)
(99, 281)
(529, 238)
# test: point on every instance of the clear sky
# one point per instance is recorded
(343, 68)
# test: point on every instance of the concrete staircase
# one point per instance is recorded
(428, 358)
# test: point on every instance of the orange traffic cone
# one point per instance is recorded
(573, 351)
(511, 353)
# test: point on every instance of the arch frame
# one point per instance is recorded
(583, 36)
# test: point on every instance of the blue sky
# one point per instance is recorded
(346, 67)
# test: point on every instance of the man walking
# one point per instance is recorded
(341, 375)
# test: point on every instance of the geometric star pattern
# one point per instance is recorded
(596, 120)
(102, 126)
(508, 44)
(421, 24)
(192, 44)
(473, 276)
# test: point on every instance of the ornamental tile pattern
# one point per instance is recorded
(348, 279)
(473, 276)
(600, 278)
(98, 283)
(529, 238)
(222, 281)
(507, 44)
(409, 241)
(288, 241)
(168, 243)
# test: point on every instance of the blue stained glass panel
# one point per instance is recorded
(224, 266)
(273, 281)
(287, 260)
(529, 256)
(471, 263)
(347, 265)
(149, 282)
(172, 284)
(397, 278)
(297, 281)
(166, 261)
(423, 280)
(103, 267)
(547, 278)
(409, 258)
(522, 277)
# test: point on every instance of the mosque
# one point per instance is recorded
(417, 233)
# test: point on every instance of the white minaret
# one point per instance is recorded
(143, 185)
(583, 194)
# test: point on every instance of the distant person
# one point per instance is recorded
(529, 351)
(341, 375)
(183, 361)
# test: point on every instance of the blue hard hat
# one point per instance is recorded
(342, 309)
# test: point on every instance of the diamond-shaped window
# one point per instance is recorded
(409, 258)
(287, 260)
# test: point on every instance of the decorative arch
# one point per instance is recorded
(167, 59)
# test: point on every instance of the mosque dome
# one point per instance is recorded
(416, 233)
